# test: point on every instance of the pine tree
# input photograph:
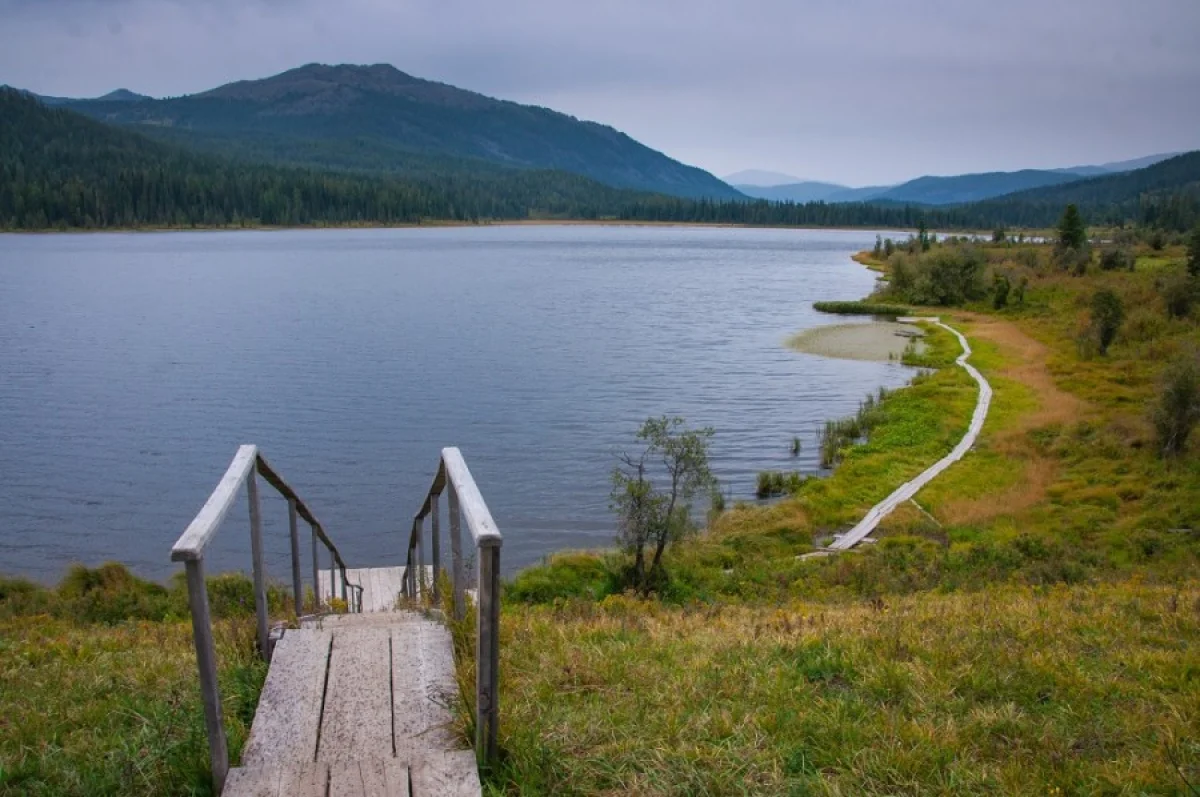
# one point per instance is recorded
(1193, 262)
(1072, 232)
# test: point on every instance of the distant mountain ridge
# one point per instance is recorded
(379, 119)
(936, 190)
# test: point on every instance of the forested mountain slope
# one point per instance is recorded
(379, 119)
(61, 169)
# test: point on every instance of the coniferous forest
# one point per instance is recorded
(62, 170)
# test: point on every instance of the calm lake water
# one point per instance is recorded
(132, 365)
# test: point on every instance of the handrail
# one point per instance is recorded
(247, 463)
(464, 501)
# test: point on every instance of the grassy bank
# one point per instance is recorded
(1060, 690)
(98, 687)
(1028, 625)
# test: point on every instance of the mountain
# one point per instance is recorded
(60, 169)
(803, 191)
(760, 178)
(1178, 173)
(965, 188)
(381, 120)
(1118, 166)
(123, 95)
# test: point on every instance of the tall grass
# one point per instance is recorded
(837, 435)
(98, 687)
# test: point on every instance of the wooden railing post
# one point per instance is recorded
(419, 533)
(487, 653)
(316, 568)
(435, 543)
(206, 661)
(456, 558)
(297, 581)
(260, 575)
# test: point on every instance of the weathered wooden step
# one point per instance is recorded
(440, 775)
(300, 780)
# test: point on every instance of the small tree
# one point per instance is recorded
(1107, 314)
(1193, 261)
(652, 493)
(1072, 232)
(999, 235)
(1019, 293)
(1000, 289)
(1178, 409)
(923, 235)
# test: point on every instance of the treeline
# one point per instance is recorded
(61, 170)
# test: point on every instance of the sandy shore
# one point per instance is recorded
(877, 340)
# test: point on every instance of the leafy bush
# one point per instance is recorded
(1116, 259)
(1178, 408)
(1107, 314)
(861, 308)
(1178, 294)
(947, 275)
(1000, 289)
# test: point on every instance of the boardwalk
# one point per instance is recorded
(907, 490)
(360, 699)
(358, 704)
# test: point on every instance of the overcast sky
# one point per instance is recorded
(853, 91)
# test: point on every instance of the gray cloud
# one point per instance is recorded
(859, 91)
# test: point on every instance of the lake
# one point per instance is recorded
(133, 364)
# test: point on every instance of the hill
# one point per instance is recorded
(965, 188)
(379, 119)
(760, 178)
(802, 191)
(61, 169)
(1166, 194)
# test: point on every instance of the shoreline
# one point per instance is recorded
(436, 224)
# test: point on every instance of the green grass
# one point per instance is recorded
(99, 693)
(1067, 690)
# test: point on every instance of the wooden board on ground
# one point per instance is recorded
(451, 774)
(357, 724)
(379, 778)
(289, 708)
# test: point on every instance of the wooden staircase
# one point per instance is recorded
(357, 704)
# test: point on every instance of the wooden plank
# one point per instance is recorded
(358, 712)
(474, 509)
(388, 587)
(252, 782)
(375, 778)
(308, 779)
(452, 774)
(424, 687)
(190, 544)
(287, 720)
(379, 583)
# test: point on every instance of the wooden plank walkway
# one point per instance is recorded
(359, 704)
(381, 586)
(909, 489)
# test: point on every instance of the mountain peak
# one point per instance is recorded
(123, 95)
